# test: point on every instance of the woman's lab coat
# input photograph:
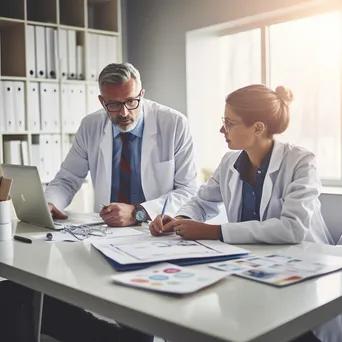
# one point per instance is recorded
(289, 208)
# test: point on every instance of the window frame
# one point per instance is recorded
(264, 21)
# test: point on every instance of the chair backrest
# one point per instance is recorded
(332, 214)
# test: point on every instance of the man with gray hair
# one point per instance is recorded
(138, 153)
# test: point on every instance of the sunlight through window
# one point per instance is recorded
(305, 55)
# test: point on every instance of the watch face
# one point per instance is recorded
(140, 215)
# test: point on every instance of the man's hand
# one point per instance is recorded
(193, 230)
(56, 214)
(118, 214)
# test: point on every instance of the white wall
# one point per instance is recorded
(155, 32)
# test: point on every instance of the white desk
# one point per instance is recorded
(233, 310)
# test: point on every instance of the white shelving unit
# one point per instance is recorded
(86, 17)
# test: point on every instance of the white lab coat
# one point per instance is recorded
(167, 161)
(289, 208)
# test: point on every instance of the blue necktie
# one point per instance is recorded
(125, 169)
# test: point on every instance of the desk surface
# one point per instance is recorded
(235, 309)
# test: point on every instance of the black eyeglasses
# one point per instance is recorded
(115, 107)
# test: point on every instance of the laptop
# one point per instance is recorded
(29, 201)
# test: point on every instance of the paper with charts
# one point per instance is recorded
(142, 249)
(169, 278)
(283, 268)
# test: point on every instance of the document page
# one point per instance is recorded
(169, 249)
(142, 249)
(169, 278)
(283, 268)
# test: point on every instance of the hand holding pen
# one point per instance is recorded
(162, 219)
(164, 208)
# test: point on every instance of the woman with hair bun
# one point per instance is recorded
(270, 189)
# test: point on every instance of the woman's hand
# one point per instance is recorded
(158, 224)
(193, 230)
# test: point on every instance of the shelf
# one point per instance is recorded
(19, 21)
(107, 33)
(12, 9)
(95, 2)
(103, 15)
(40, 23)
(17, 135)
(43, 132)
(43, 80)
(12, 57)
(12, 78)
(69, 27)
(92, 83)
(72, 13)
(66, 81)
(42, 10)
(7, 22)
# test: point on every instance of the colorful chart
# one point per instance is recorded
(170, 278)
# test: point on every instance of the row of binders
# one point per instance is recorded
(46, 153)
(44, 111)
(55, 53)
(51, 53)
(16, 152)
(101, 51)
(12, 107)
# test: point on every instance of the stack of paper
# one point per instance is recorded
(169, 278)
(143, 251)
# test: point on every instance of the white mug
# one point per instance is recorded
(5, 212)
(5, 232)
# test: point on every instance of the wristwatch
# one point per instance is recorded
(139, 214)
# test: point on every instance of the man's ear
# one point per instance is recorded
(142, 93)
(259, 128)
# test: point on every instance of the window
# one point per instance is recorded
(240, 59)
(304, 55)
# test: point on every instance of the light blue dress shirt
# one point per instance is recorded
(137, 194)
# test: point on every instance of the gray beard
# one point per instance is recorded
(126, 128)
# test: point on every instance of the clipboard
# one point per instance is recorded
(183, 262)
(139, 252)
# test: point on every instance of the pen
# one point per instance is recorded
(22, 239)
(104, 206)
(164, 207)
